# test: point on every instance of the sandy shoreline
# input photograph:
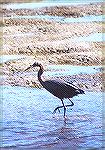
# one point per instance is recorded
(14, 75)
(51, 42)
(67, 11)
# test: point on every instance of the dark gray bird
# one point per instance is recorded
(58, 88)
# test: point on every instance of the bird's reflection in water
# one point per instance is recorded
(65, 136)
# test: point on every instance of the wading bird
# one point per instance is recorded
(58, 88)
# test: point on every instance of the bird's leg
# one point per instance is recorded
(57, 108)
(71, 103)
(60, 107)
(64, 107)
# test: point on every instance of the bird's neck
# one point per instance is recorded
(39, 77)
(40, 72)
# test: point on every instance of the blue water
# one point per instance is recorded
(48, 3)
(28, 122)
(89, 18)
(65, 70)
(94, 37)
(5, 58)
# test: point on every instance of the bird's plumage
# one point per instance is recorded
(61, 89)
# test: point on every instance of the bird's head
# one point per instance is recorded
(36, 64)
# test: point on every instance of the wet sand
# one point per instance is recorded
(66, 11)
(13, 74)
(51, 42)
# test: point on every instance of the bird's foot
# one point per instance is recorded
(57, 108)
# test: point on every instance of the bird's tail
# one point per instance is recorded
(81, 91)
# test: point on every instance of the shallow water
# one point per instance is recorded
(65, 70)
(5, 58)
(89, 18)
(28, 122)
(48, 3)
(94, 37)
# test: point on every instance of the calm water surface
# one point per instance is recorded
(28, 122)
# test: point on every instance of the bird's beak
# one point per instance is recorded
(28, 68)
(31, 66)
